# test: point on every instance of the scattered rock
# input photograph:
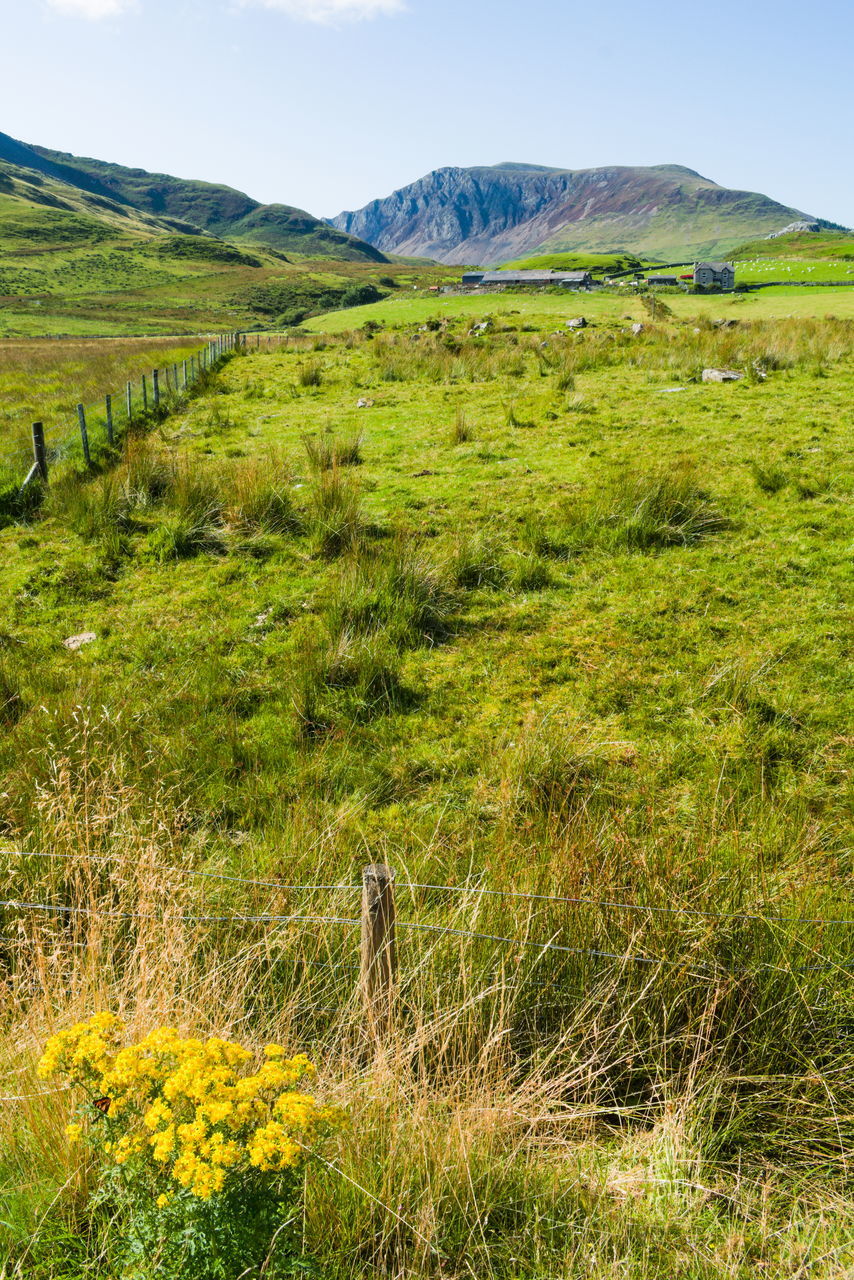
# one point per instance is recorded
(363, 403)
(668, 391)
(417, 474)
(76, 642)
(637, 328)
(721, 375)
(725, 324)
(483, 327)
(578, 323)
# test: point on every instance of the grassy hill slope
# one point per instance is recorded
(210, 206)
(73, 261)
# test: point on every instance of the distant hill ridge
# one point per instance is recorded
(494, 213)
(190, 204)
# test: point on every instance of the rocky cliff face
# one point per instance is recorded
(493, 214)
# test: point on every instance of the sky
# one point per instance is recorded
(327, 104)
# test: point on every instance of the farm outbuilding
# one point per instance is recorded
(538, 279)
(662, 280)
(714, 275)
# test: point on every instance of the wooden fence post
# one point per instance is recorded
(183, 375)
(379, 946)
(39, 451)
(129, 402)
(84, 434)
(108, 403)
(144, 395)
(155, 382)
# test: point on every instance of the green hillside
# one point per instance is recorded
(597, 263)
(73, 261)
(824, 244)
(209, 206)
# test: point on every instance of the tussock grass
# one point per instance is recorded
(326, 452)
(334, 517)
(665, 508)
(397, 592)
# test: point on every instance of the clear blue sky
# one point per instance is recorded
(327, 104)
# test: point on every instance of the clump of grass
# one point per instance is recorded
(399, 593)
(770, 477)
(664, 508)
(98, 511)
(512, 419)
(256, 496)
(146, 474)
(477, 560)
(326, 452)
(552, 770)
(334, 514)
(310, 373)
(527, 571)
(461, 431)
(193, 520)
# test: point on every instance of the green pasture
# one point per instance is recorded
(549, 308)
(544, 615)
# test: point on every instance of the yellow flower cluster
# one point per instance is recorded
(191, 1111)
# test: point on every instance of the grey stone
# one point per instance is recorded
(76, 642)
(721, 375)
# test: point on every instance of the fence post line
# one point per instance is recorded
(175, 377)
(183, 375)
(108, 404)
(84, 434)
(129, 402)
(144, 395)
(39, 451)
(155, 383)
(379, 946)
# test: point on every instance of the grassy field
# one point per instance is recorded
(44, 380)
(549, 309)
(526, 621)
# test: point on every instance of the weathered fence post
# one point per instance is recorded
(155, 383)
(379, 946)
(39, 451)
(84, 434)
(183, 375)
(108, 404)
(129, 402)
(144, 395)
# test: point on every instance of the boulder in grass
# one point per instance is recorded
(721, 375)
(578, 323)
(77, 642)
(364, 403)
(637, 328)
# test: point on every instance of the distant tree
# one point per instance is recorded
(361, 294)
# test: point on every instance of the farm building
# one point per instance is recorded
(539, 279)
(662, 280)
(472, 277)
(714, 275)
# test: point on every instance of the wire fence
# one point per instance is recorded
(21, 907)
(100, 427)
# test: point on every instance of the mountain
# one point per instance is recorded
(491, 214)
(187, 205)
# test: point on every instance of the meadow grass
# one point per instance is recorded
(597, 663)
